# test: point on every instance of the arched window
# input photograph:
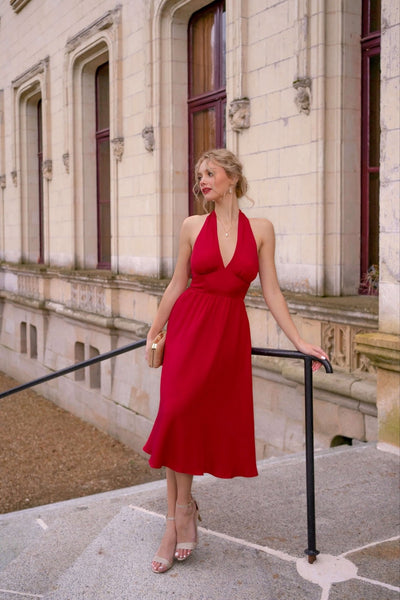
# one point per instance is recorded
(207, 91)
(370, 144)
(31, 123)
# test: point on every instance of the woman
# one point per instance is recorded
(205, 420)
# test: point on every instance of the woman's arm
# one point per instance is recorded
(177, 284)
(273, 295)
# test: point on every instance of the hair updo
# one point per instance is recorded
(231, 165)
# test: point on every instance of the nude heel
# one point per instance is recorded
(189, 545)
(166, 564)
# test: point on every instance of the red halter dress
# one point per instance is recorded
(205, 422)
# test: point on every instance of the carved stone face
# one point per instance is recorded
(303, 100)
(239, 114)
(148, 137)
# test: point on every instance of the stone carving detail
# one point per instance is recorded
(118, 147)
(66, 161)
(14, 177)
(89, 298)
(47, 169)
(28, 285)
(339, 342)
(38, 68)
(2, 181)
(303, 96)
(148, 137)
(239, 114)
(107, 21)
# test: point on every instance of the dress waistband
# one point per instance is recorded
(232, 296)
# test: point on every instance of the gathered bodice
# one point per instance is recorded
(209, 274)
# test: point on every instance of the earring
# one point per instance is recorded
(230, 191)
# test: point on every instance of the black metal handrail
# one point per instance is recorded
(75, 367)
(311, 551)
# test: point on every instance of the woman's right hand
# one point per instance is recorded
(149, 342)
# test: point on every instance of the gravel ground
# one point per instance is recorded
(48, 454)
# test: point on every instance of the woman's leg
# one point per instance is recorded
(166, 549)
(185, 514)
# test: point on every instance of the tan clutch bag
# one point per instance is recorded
(156, 354)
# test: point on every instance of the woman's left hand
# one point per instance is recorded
(312, 350)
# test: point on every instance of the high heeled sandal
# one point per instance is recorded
(188, 545)
(164, 561)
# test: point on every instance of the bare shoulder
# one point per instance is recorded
(192, 225)
(263, 230)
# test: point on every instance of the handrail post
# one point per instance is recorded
(311, 551)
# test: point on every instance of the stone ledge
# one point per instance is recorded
(137, 328)
(92, 276)
(383, 349)
(357, 310)
(346, 389)
(352, 310)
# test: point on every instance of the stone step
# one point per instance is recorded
(117, 565)
(37, 546)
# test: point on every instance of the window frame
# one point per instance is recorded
(215, 98)
(370, 47)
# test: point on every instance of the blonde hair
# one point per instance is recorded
(231, 165)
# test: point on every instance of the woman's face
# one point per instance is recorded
(213, 181)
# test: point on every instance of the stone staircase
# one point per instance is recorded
(100, 547)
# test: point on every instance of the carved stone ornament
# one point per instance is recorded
(239, 114)
(42, 66)
(118, 147)
(14, 177)
(338, 339)
(66, 161)
(107, 21)
(2, 181)
(48, 169)
(148, 137)
(303, 96)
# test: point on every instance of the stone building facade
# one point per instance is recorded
(97, 134)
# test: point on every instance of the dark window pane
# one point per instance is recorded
(223, 49)
(103, 166)
(40, 179)
(204, 129)
(102, 96)
(103, 195)
(203, 54)
(374, 111)
(373, 237)
(375, 15)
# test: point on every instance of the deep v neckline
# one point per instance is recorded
(225, 266)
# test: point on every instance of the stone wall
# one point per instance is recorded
(293, 116)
